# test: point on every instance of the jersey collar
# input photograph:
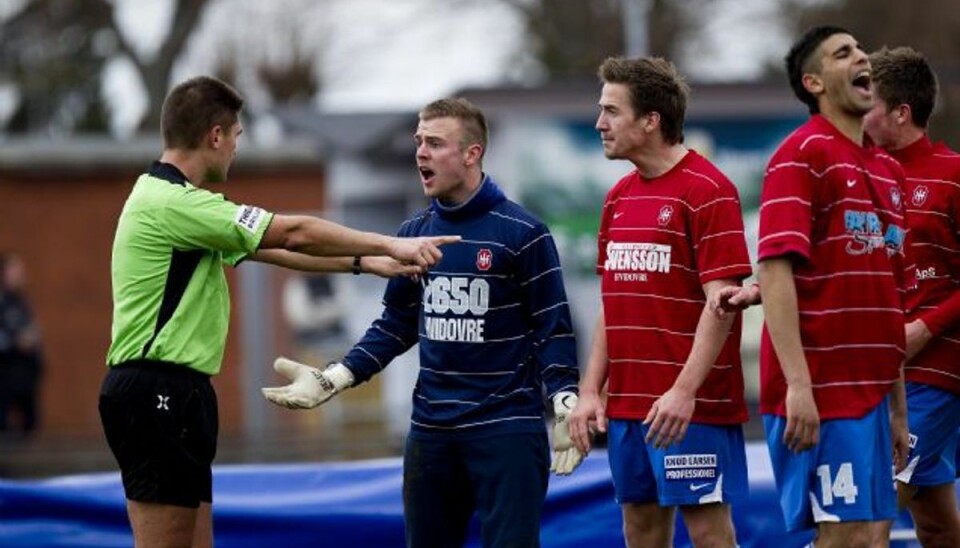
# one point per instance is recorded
(488, 195)
(919, 149)
(167, 172)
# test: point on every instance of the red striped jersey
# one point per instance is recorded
(933, 206)
(660, 240)
(836, 209)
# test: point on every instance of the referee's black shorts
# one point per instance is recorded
(160, 420)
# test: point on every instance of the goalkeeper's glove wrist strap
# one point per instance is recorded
(338, 376)
(564, 402)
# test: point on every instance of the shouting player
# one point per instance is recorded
(493, 325)
(833, 279)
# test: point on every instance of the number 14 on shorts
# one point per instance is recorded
(841, 485)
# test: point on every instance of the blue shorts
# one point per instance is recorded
(934, 416)
(709, 465)
(848, 476)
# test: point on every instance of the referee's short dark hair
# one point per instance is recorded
(195, 106)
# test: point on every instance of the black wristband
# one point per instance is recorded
(356, 266)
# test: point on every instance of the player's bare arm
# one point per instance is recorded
(918, 335)
(779, 295)
(899, 429)
(590, 411)
(670, 415)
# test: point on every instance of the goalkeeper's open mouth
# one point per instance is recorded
(426, 175)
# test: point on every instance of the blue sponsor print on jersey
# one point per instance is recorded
(867, 233)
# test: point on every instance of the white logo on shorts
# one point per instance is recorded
(163, 402)
(698, 486)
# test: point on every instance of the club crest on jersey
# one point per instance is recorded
(920, 195)
(666, 213)
(895, 197)
(484, 259)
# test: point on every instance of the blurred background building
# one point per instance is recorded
(333, 87)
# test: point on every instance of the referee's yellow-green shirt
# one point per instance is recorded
(171, 302)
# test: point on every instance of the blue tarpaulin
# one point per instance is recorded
(355, 504)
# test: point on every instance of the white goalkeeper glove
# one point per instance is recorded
(310, 386)
(566, 456)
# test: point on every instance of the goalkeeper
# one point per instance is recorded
(493, 325)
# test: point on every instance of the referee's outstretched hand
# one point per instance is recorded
(423, 251)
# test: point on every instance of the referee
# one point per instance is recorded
(171, 306)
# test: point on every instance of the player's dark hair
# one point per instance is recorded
(902, 76)
(801, 60)
(194, 107)
(655, 86)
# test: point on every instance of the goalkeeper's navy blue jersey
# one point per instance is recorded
(491, 318)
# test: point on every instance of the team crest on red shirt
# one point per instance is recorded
(484, 259)
(895, 197)
(666, 213)
(920, 195)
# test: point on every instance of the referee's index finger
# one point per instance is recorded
(440, 240)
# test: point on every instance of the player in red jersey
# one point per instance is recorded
(906, 88)
(833, 279)
(671, 234)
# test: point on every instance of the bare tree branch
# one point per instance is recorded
(156, 73)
